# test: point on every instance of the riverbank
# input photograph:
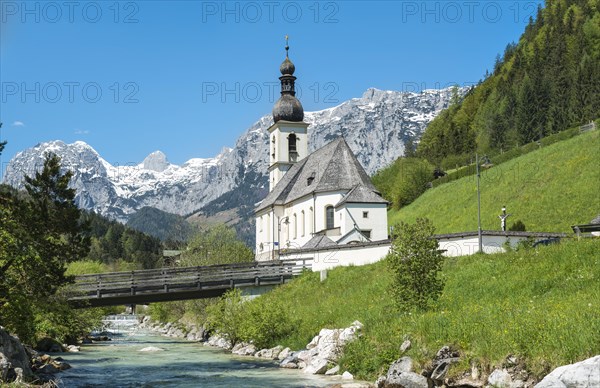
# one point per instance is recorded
(152, 360)
(319, 357)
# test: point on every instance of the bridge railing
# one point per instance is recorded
(185, 278)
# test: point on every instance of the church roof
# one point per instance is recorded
(361, 194)
(319, 241)
(333, 167)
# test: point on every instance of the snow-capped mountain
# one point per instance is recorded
(376, 126)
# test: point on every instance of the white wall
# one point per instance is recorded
(468, 245)
(343, 255)
(376, 220)
(362, 254)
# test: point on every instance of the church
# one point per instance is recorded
(316, 200)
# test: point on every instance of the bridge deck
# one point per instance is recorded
(169, 284)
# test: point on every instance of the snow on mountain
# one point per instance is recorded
(376, 126)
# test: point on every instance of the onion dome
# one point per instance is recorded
(288, 107)
(287, 67)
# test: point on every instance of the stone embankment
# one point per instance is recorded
(320, 356)
(511, 374)
(22, 364)
(323, 352)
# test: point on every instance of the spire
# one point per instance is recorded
(288, 107)
(287, 46)
(287, 67)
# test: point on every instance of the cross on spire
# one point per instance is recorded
(287, 47)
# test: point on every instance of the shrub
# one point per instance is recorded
(266, 322)
(404, 180)
(416, 263)
(517, 226)
(226, 316)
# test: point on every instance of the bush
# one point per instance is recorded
(416, 263)
(226, 316)
(517, 226)
(266, 322)
(404, 181)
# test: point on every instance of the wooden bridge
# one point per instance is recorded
(170, 284)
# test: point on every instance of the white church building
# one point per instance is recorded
(319, 200)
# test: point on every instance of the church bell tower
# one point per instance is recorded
(288, 136)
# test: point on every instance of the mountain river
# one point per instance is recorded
(121, 363)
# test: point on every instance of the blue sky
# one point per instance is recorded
(188, 77)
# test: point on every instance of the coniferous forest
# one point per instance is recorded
(545, 83)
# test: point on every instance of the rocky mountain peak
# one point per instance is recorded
(156, 161)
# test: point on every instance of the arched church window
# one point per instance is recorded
(295, 226)
(292, 142)
(329, 219)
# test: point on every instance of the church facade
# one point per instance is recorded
(315, 200)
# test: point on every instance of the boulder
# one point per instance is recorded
(60, 365)
(237, 347)
(218, 341)
(500, 378)
(400, 375)
(347, 376)
(48, 369)
(313, 343)
(244, 349)
(347, 335)
(73, 349)
(333, 371)
(49, 345)
(406, 380)
(270, 354)
(13, 357)
(441, 364)
(316, 367)
(306, 355)
(292, 358)
(403, 364)
(284, 354)
(584, 374)
(288, 365)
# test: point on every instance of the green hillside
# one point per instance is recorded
(546, 313)
(549, 190)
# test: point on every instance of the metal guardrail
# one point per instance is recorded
(183, 279)
(587, 127)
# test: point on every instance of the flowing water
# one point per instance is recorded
(120, 363)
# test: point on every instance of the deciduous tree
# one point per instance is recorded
(416, 262)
